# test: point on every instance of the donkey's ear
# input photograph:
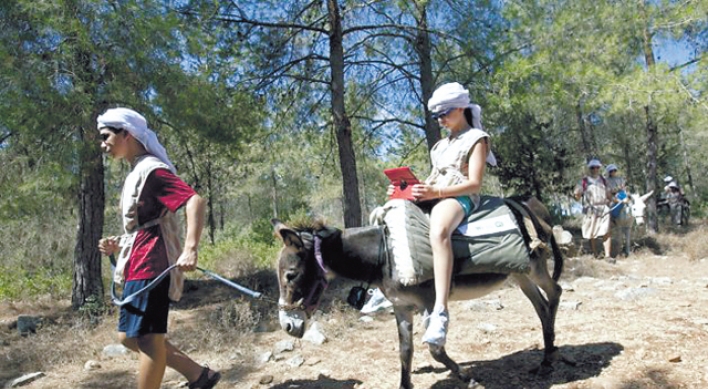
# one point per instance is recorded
(287, 234)
(646, 196)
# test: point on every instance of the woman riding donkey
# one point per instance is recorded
(454, 184)
(152, 193)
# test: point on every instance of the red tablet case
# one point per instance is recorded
(403, 180)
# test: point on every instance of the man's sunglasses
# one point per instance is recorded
(442, 114)
(105, 135)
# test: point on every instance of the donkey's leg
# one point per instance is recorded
(546, 307)
(627, 240)
(404, 321)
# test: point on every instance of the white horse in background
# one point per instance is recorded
(633, 211)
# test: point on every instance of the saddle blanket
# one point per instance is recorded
(489, 241)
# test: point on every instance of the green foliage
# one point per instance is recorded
(17, 283)
(247, 247)
(245, 111)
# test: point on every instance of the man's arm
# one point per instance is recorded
(195, 210)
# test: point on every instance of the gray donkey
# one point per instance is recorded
(313, 255)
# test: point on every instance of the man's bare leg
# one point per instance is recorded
(153, 360)
(176, 359)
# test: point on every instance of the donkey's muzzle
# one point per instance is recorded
(293, 322)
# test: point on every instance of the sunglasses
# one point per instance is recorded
(442, 114)
(106, 135)
(594, 167)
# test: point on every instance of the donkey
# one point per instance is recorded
(313, 255)
(633, 212)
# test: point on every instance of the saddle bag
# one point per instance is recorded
(489, 241)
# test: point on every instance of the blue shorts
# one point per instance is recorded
(147, 314)
(467, 205)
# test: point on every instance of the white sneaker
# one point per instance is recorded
(436, 329)
(376, 302)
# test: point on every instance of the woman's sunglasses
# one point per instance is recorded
(107, 135)
(442, 114)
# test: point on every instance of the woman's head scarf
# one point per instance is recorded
(453, 95)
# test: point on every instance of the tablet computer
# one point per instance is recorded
(403, 179)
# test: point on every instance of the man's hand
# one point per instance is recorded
(108, 246)
(188, 260)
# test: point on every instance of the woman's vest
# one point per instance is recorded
(450, 157)
(169, 224)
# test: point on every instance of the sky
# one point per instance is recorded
(674, 53)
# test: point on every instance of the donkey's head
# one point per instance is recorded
(639, 207)
(302, 276)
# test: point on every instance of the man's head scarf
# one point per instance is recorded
(454, 95)
(136, 125)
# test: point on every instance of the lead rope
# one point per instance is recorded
(128, 299)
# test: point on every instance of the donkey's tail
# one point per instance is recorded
(557, 259)
(542, 224)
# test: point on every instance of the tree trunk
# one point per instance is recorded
(686, 164)
(342, 125)
(587, 147)
(425, 64)
(210, 201)
(274, 191)
(652, 131)
(88, 284)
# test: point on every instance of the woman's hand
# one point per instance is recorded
(389, 191)
(108, 246)
(424, 192)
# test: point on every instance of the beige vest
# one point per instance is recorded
(169, 224)
(450, 157)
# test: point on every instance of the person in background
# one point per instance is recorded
(152, 193)
(595, 195)
(617, 185)
(674, 198)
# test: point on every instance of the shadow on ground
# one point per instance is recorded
(322, 382)
(513, 371)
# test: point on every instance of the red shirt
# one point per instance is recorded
(162, 189)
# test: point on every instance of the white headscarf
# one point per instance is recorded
(136, 125)
(449, 96)
(454, 95)
(594, 163)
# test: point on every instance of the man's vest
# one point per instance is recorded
(168, 222)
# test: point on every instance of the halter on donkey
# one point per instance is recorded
(313, 255)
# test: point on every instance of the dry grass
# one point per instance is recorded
(690, 241)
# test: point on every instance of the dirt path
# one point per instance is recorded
(642, 323)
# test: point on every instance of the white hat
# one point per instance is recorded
(610, 168)
(668, 179)
(594, 163)
(673, 184)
